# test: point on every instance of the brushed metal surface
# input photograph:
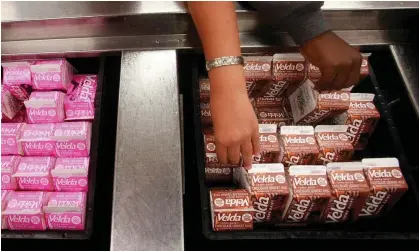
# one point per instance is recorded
(406, 58)
(249, 42)
(147, 208)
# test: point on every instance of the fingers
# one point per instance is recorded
(221, 153)
(255, 141)
(234, 154)
(246, 150)
(326, 79)
(353, 77)
(342, 75)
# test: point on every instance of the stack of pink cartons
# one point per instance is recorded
(45, 138)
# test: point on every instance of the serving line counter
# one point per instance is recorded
(147, 208)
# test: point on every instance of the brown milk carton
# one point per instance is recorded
(309, 194)
(273, 115)
(231, 210)
(269, 146)
(387, 185)
(361, 119)
(314, 74)
(350, 191)
(268, 189)
(268, 102)
(334, 145)
(204, 89)
(289, 72)
(298, 146)
(209, 145)
(205, 114)
(310, 107)
(218, 174)
(258, 71)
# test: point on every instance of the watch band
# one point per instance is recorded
(224, 61)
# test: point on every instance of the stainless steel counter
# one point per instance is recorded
(69, 27)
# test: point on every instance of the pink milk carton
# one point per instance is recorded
(71, 174)
(33, 173)
(20, 117)
(5, 195)
(79, 103)
(25, 211)
(9, 166)
(66, 210)
(45, 107)
(72, 139)
(37, 140)
(51, 74)
(10, 135)
(17, 79)
(10, 105)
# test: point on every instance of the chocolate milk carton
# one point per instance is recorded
(273, 115)
(269, 146)
(71, 174)
(210, 148)
(267, 102)
(37, 140)
(218, 174)
(204, 89)
(311, 107)
(79, 103)
(45, 107)
(9, 166)
(231, 210)
(350, 191)
(17, 79)
(10, 135)
(361, 119)
(206, 120)
(387, 185)
(268, 188)
(33, 173)
(72, 139)
(65, 211)
(309, 194)
(298, 146)
(333, 143)
(51, 74)
(258, 74)
(289, 71)
(25, 211)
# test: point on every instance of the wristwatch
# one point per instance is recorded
(224, 61)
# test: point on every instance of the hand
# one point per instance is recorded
(338, 62)
(234, 120)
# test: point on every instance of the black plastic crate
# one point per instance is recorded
(398, 223)
(87, 66)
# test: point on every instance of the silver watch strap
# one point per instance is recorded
(224, 61)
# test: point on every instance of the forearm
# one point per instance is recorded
(217, 27)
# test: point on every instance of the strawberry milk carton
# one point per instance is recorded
(71, 174)
(350, 191)
(17, 79)
(334, 145)
(310, 107)
(10, 135)
(25, 211)
(9, 166)
(387, 185)
(45, 107)
(231, 210)
(10, 105)
(79, 103)
(33, 173)
(65, 211)
(51, 74)
(37, 140)
(5, 195)
(268, 189)
(298, 146)
(309, 194)
(361, 119)
(20, 117)
(72, 139)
